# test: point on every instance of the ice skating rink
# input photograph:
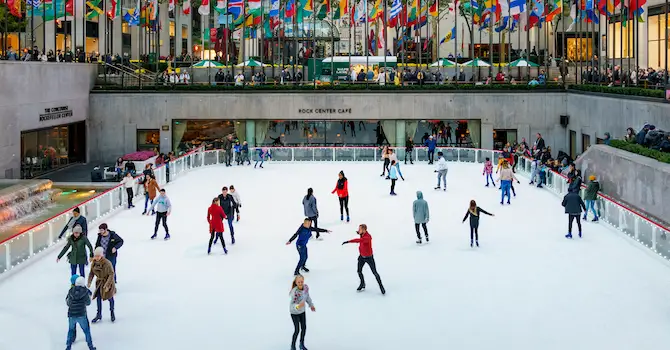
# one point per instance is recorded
(526, 288)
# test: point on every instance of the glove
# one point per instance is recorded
(345, 242)
(238, 217)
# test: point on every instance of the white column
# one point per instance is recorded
(164, 30)
(642, 37)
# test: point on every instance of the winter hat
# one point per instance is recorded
(592, 178)
(73, 279)
(80, 282)
(77, 228)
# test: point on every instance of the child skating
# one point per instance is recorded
(263, 153)
(488, 172)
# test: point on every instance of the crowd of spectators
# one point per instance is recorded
(649, 137)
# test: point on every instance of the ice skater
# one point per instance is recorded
(574, 205)
(215, 217)
(263, 153)
(394, 159)
(77, 257)
(506, 177)
(111, 242)
(128, 183)
(105, 288)
(151, 188)
(365, 256)
(299, 296)
(474, 212)
(76, 220)
(488, 172)
(244, 151)
(227, 202)
(441, 169)
(409, 150)
(393, 175)
(431, 143)
(310, 209)
(238, 201)
(303, 234)
(421, 216)
(78, 298)
(163, 210)
(590, 197)
(386, 156)
(342, 189)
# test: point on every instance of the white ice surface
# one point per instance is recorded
(527, 287)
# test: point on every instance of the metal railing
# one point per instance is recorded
(625, 219)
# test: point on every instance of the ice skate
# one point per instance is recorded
(305, 269)
(154, 236)
(418, 241)
(113, 317)
(348, 218)
(360, 288)
(97, 318)
(167, 237)
(569, 235)
(477, 243)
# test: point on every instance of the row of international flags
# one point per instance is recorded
(498, 15)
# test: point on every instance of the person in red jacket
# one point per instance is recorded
(365, 257)
(215, 217)
(342, 190)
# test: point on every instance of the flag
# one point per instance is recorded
(449, 36)
(553, 10)
(113, 13)
(132, 17)
(93, 9)
(396, 8)
(289, 11)
(517, 7)
(186, 7)
(376, 12)
(607, 7)
(344, 7)
(14, 7)
(323, 11)
(254, 12)
(204, 8)
(236, 8)
(308, 6)
(152, 10)
(535, 16)
(433, 9)
(221, 7)
(502, 24)
(273, 15)
(171, 5)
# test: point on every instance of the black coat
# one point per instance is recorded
(78, 298)
(228, 204)
(573, 203)
(474, 219)
(115, 241)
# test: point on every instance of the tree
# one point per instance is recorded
(9, 23)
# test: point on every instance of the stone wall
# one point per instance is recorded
(642, 183)
(121, 114)
(26, 90)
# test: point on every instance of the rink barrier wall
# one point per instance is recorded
(25, 245)
(643, 230)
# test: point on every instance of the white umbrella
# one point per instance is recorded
(251, 63)
(477, 63)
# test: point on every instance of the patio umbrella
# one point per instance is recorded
(207, 64)
(443, 62)
(477, 63)
(251, 63)
(523, 63)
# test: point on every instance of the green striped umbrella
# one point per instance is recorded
(207, 64)
(521, 62)
(443, 62)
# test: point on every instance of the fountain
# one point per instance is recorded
(25, 198)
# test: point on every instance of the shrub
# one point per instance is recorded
(641, 150)
(138, 156)
(618, 90)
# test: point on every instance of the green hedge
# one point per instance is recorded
(641, 150)
(630, 91)
(340, 87)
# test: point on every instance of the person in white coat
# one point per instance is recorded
(238, 200)
(441, 170)
(129, 183)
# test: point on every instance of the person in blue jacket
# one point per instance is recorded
(262, 154)
(303, 234)
(236, 150)
(76, 219)
(431, 143)
(244, 150)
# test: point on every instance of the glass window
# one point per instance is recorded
(657, 31)
(456, 133)
(208, 133)
(320, 133)
(586, 142)
(44, 150)
(148, 140)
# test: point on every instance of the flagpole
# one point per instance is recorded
(294, 23)
(457, 72)
(437, 34)
(666, 43)
(313, 49)
(350, 40)
(262, 49)
(332, 43)
(621, 27)
(367, 40)
(385, 26)
(243, 37)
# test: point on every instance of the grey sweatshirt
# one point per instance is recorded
(162, 204)
(310, 206)
(298, 296)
